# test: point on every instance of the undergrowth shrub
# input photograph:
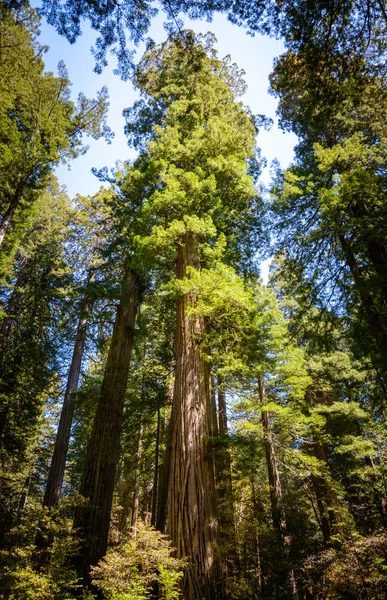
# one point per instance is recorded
(139, 568)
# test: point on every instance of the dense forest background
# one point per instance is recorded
(171, 427)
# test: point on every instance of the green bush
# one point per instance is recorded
(132, 570)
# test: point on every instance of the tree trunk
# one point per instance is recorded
(157, 468)
(164, 484)
(165, 469)
(375, 320)
(225, 497)
(44, 538)
(136, 493)
(259, 518)
(91, 521)
(276, 500)
(192, 519)
(14, 311)
(59, 457)
(375, 244)
(7, 219)
(277, 512)
(327, 500)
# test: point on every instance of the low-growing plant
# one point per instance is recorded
(133, 570)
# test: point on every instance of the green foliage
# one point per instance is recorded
(130, 571)
(39, 125)
(20, 576)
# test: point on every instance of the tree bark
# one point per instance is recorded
(326, 498)
(164, 484)
(136, 493)
(91, 521)
(7, 219)
(376, 248)
(276, 499)
(277, 512)
(157, 468)
(375, 320)
(13, 312)
(224, 490)
(44, 538)
(59, 457)
(192, 518)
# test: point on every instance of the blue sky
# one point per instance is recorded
(254, 54)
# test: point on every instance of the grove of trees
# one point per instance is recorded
(171, 427)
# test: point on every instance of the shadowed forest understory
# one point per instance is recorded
(170, 426)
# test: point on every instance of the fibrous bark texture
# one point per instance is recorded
(58, 462)
(92, 520)
(192, 517)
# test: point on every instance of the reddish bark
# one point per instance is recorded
(192, 517)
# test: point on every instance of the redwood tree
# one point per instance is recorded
(200, 150)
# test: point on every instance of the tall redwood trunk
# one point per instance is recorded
(192, 518)
(59, 457)
(91, 521)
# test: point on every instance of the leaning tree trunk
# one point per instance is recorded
(58, 462)
(192, 519)
(44, 538)
(91, 521)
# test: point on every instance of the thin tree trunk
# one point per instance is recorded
(224, 490)
(147, 501)
(156, 471)
(58, 462)
(192, 518)
(278, 515)
(376, 248)
(13, 312)
(276, 500)
(327, 500)
(214, 412)
(326, 497)
(164, 483)
(380, 498)
(375, 320)
(91, 521)
(259, 517)
(136, 493)
(43, 538)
